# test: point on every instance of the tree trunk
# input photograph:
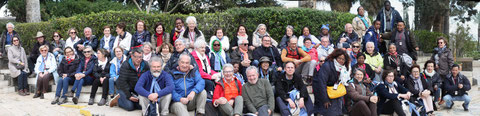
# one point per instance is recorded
(308, 4)
(33, 11)
(341, 5)
(138, 6)
(372, 7)
(478, 36)
(149, 6)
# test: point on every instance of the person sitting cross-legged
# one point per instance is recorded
(258, 94)
(228, 93)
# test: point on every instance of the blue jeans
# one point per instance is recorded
(22, 80)
(437, 94)
(62, 84)
(126, 104)
(449, 99)
(283, 106)
(79, 83)
(111, 85)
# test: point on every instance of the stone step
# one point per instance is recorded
(7, 90)
(3, 84)
(4, 71)
(85, 89)
(2, 77)
(84, 97)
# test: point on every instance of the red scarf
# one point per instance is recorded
(159, 39)
(395, 56)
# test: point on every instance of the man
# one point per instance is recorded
(32, 58)
(269, 51)
(258, 94)
(7, 39)
(160, 91)
(403, 39)
(130, 71)
(299, 57)
(388, 17)
(189, 93)
(289, 83)
(179, 49)
(348, 36)
(325, 48)
(90, 40)
(242, 55)
(228, 93)
(373, 35)
(456, 86)
(361, 23)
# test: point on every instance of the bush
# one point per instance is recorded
(427, 40)
(275, 18)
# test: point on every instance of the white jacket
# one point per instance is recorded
(125, 43)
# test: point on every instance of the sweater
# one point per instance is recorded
(165, 81)
(258, 94)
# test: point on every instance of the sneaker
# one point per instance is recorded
(464, 107)
(70, 94)
(26, 91)
(62, 101)
(102, 102)
(75, 100)
(36, 95)
(21, 93)
(114, 100)
(90, 101)
(55, 101)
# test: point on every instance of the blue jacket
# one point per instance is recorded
(144, 84)
(110, 43)
(395, 17)
(139, 39)
(186, 83)
(452, 87)
(370, 36)
(90, 65)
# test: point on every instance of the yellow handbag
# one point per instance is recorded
(336, 93)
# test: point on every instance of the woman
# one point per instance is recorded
(107, 40)
(420, 89)
(325, 31)
(370, 74)
(100, 72)
(203, 63)
(192, 33)
(306, 34)
(175, 33)
(84, 73)
(334, 72)
(433, 79)
(375, 60)
(17, 62)
(115, 65)
(390, 95)
(58, 45)
(258, 35)
(223, 39)
(265, 72)
(218, 56)
(355, 50)
(443, 57)
(72, 32)
(66, 70)
(394, 61)
(124, 38)
(147, 51)
(165, 53)
(286, 38)
(241, 34)
(44, 68)
(364, 102)
(141, 35)
(159, 37)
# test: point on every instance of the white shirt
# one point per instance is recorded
(107, 41)
(70, 43)
(124, 43)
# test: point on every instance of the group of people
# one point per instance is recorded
(358, 74)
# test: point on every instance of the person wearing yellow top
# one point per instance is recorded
(374, 59)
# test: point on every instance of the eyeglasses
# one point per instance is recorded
(356, 46)
(15, 40)
(73, 32)
(56, 35)
(322, 60)
(227, 71)
(86, 52)
(266, 40)
(43, 50)
(216, 44)
(244, 44)
(137, 56)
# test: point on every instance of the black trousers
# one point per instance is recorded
(393, 106)
(95, 85)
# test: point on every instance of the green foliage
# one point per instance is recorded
(462, 40)
(275, 18)
(427, 40)
(474, 54)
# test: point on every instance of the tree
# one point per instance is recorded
(33, 11)
(308, 4)
(372, 6)
(477, 20)
(462, 40)
(341, 5)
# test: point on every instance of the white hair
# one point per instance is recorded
(10, 23)
(155, 59)
(240, 41)
(88, 48)
(184, 55)
(199, 44)
(228, 65)
(252, 68)
(370, 43)
(88, 28)
(191, 18)
(346, 26)
(147, 44)
(179, 40)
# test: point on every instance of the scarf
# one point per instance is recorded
(220, 57)
(165, 57)
(140, 36)
(429, 74)
(244, 53)
(306, 49)
(147, 57)
(69, 60)
(203, 60)
(344, 72)
(159, 39)
(102, 64)
(417, 83)
(177, 33)
(395, 58)
(364, 20)
(325, 48)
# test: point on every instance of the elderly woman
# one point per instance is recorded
(258, 35)
(306, 34)
(165, 53)
(218, 56)
(17, 61)
(220, 37)
(124, 38)
(159, 37)
(286, 38)
(433, 78)
(348, 36)
(100, 72)
(7, 38)
(390, 93)
(228, 95)
(355, 51)
(420, 89)
(241, 34)
(334, 72)
(369, 73)
(44, 68)
(374, 59)
(192, 33)
(58, 45)
(72, 39)
(66, 70)
(203, 63)
(84, 73)
(115, 65)
(141, 35)
(147, 51)
(394, 61)
(364, 101)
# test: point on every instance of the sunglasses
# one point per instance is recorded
(216, 44)
(43, 50)
(244, 44)
(56, 36)
(356, 46)
(73, 32)
(322, 60)
(87, 51)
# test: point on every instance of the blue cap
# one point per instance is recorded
(325, 27)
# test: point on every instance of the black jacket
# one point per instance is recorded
(410, 85)
(263, 51)
(452, 87)
(92, 42)
(368, 70)
(98, 72)
(68, 68)
(402, 69)
(129, 76)
(383, 95)
(283, 86)
(35, 50)
(87, 70)
(326, 76)
(436, 79)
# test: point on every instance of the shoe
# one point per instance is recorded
(441, 102)
(450, 107)
(90, 101)
(75, 100)
(464, 107)
(26, 91)
(200, 114)
(36, 95)
(21, 93)
(62, 101)
(55, 101)
(42, 96)
(114, 101)
(70, 94)
(102, 102)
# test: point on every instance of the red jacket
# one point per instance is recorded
(204, 74)
(220, 92)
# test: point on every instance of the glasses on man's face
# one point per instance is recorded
(137, 56)
(87, 52)
(227, 71)
(216, 44)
